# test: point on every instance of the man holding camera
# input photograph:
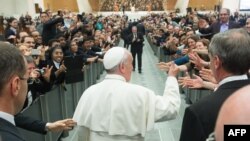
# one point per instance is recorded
(136, 40)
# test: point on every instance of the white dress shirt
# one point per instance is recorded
(233, 78)
(56, 64)
(8, 117)
(116, 110)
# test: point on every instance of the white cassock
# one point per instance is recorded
(132, 9)
(114, 110)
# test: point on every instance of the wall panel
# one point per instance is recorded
(169, 4)
(203, 4)
(95, 5)
(54, 5)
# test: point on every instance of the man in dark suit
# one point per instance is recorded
(235, 110)
(136, 40)
(229, 55)
(13, 90)
(220, 26)
(49, 27)
(140, 27)
(124, 34)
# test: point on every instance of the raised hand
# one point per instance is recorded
(207, 74)
(62, 68)
(194, 83)
(164, 66)
(47, 73)
(173, 70)
(195, 59)
(182, 80)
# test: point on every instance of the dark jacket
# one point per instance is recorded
(8, 132)
(49, 30)
(215, 28)
(200, 118)
(30, 124)
(137, 45)
(9, 32)
(53, 79)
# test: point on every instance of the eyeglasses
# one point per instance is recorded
(22, 78)
(224, 14)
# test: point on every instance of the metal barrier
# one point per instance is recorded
(60, 104)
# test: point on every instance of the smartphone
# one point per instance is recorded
(35, 52)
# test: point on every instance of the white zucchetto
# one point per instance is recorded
(113, 57)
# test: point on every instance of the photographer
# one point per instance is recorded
(38, 82)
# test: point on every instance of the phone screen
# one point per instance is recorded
(35, 52)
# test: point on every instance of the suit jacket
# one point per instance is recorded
(9, 32)
(8, 132)
(30, 124)
(137, 45)
(215, 28)
(124, 34)
(141, 28)
(200, 118)
(49, 30)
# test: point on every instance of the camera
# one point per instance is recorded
(41, 71)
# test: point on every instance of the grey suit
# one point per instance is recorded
(200, 118)
(8, 132)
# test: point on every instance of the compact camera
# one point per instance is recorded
(41, 71)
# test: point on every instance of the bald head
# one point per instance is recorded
(235, 110)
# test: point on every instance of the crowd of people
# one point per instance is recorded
(212, 49)
(205, 48)
(119, 5)
(44, 42)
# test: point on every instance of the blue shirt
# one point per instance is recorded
(224, 27)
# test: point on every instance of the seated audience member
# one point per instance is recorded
(114, 109)
(230, 71)
(234, 111)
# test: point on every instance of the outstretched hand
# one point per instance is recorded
(173, 70)
(61, 125)
(164, 66)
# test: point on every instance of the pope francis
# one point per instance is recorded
(115, 110)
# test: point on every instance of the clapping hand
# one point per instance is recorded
(47, 73)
